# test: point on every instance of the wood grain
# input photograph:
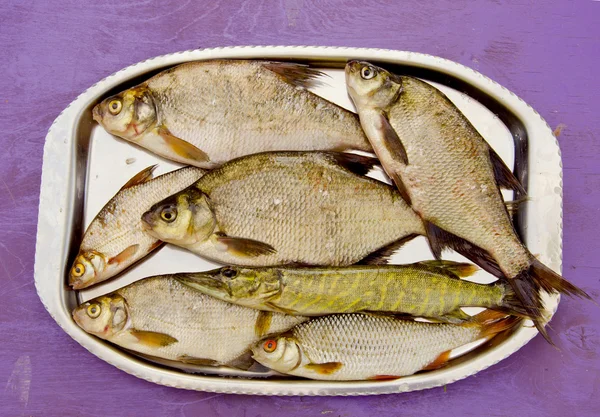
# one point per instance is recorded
(546, 52)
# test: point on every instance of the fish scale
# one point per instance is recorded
(361, 348)
(303, 204)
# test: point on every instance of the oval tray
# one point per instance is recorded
(84, 166)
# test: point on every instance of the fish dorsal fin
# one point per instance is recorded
(513, 205)
(382, 255)
(197, 361)
(460, 269)
(504, 176)
(141, 177)
(440, 239)
(358, 164)
(298, 75)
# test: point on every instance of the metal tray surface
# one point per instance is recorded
(84, 166)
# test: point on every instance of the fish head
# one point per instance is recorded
(183, 219)
(249, 282)
(103, 316)
(88, 268)
(128, 114)
(281, 353)
(371, 86)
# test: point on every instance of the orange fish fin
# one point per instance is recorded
(248, 248)
(504, 176)
(383, 377)
(438, 362)
(382, 256)
(263, 323)
(491, 326)
(125, 255)
(141, 177)
(324, 368)
(155, 245)
(298, 75)
(181, 147)
(460, 269)
(153, 339)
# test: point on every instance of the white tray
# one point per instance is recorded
(84, 167)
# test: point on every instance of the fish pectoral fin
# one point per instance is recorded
(439, 239)
(153, 339)
(298, 75)
(197, 361)
(247, 248)
(327, 368)
(263, 323)
(357, 164)
(243, 362)
(391, 140)
(125, 255)
(438, 362)
(382, 256)
(180, 146)
(504, 176)
(141, 177)
(459, 269)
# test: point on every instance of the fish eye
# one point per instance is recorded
(367, 73)
(168, 214)
(270, 345)
(78, 270)
(94, 310)
(115, 106)
(229, 272)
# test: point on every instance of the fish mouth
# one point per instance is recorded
(205, 282)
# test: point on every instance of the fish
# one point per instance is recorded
(429, 289)
(451, 177)
(354, 347)
(162, 318)
(206, 113)
(275, 208)
(115, 239)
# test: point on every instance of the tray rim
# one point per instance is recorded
(213, 383)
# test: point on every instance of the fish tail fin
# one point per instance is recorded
(550, 281)
(493, 322)
(527, 285)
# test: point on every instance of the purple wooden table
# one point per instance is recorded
(548, 54)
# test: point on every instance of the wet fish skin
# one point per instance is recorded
(351, 347)
(161, 317)
(115, 239)
(206, 113)
(427, 289)
(285, 208)
(451, 178)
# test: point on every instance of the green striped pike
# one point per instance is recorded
(429, 289)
